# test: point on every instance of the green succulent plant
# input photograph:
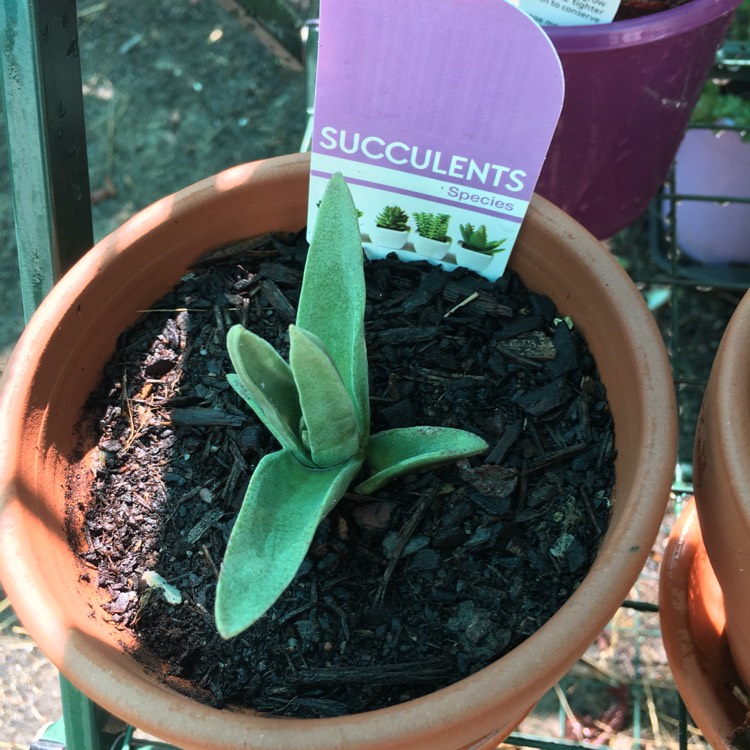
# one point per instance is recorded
(317, 407)
(393, 217)
(476, 239)
(432, 226)
(725, 99)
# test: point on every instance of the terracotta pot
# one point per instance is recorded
(59, 359)
(722, 479)
(691, 610)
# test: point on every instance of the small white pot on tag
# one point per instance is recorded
(390, 238)
(471, 259)
(431, 248)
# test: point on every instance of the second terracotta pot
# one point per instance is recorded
(721, 466)
(691, 611)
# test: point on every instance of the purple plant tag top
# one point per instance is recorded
(437, 107)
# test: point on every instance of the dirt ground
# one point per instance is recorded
(176, 91)
(173, 92)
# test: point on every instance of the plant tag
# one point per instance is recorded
(569, 12)
(439, 114)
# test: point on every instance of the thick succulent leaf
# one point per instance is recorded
(284, 504)
(395, 452)
(327, 409)
(265, 381)
(332, 299)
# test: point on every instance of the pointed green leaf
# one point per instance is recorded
(265, 381)
(327, 409)
(332, 299)
(395, 452)
(284, 504)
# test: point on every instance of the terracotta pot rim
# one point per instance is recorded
(468, 702)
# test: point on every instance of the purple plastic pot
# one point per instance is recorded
(630, 87)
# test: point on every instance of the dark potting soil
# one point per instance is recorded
(401, 593)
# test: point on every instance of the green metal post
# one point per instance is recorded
(87, 727)
(43, 105)
(683, 722)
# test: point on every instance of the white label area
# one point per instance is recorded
(569, 12)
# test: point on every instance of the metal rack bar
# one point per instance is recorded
(86, 725)
(43, 105)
